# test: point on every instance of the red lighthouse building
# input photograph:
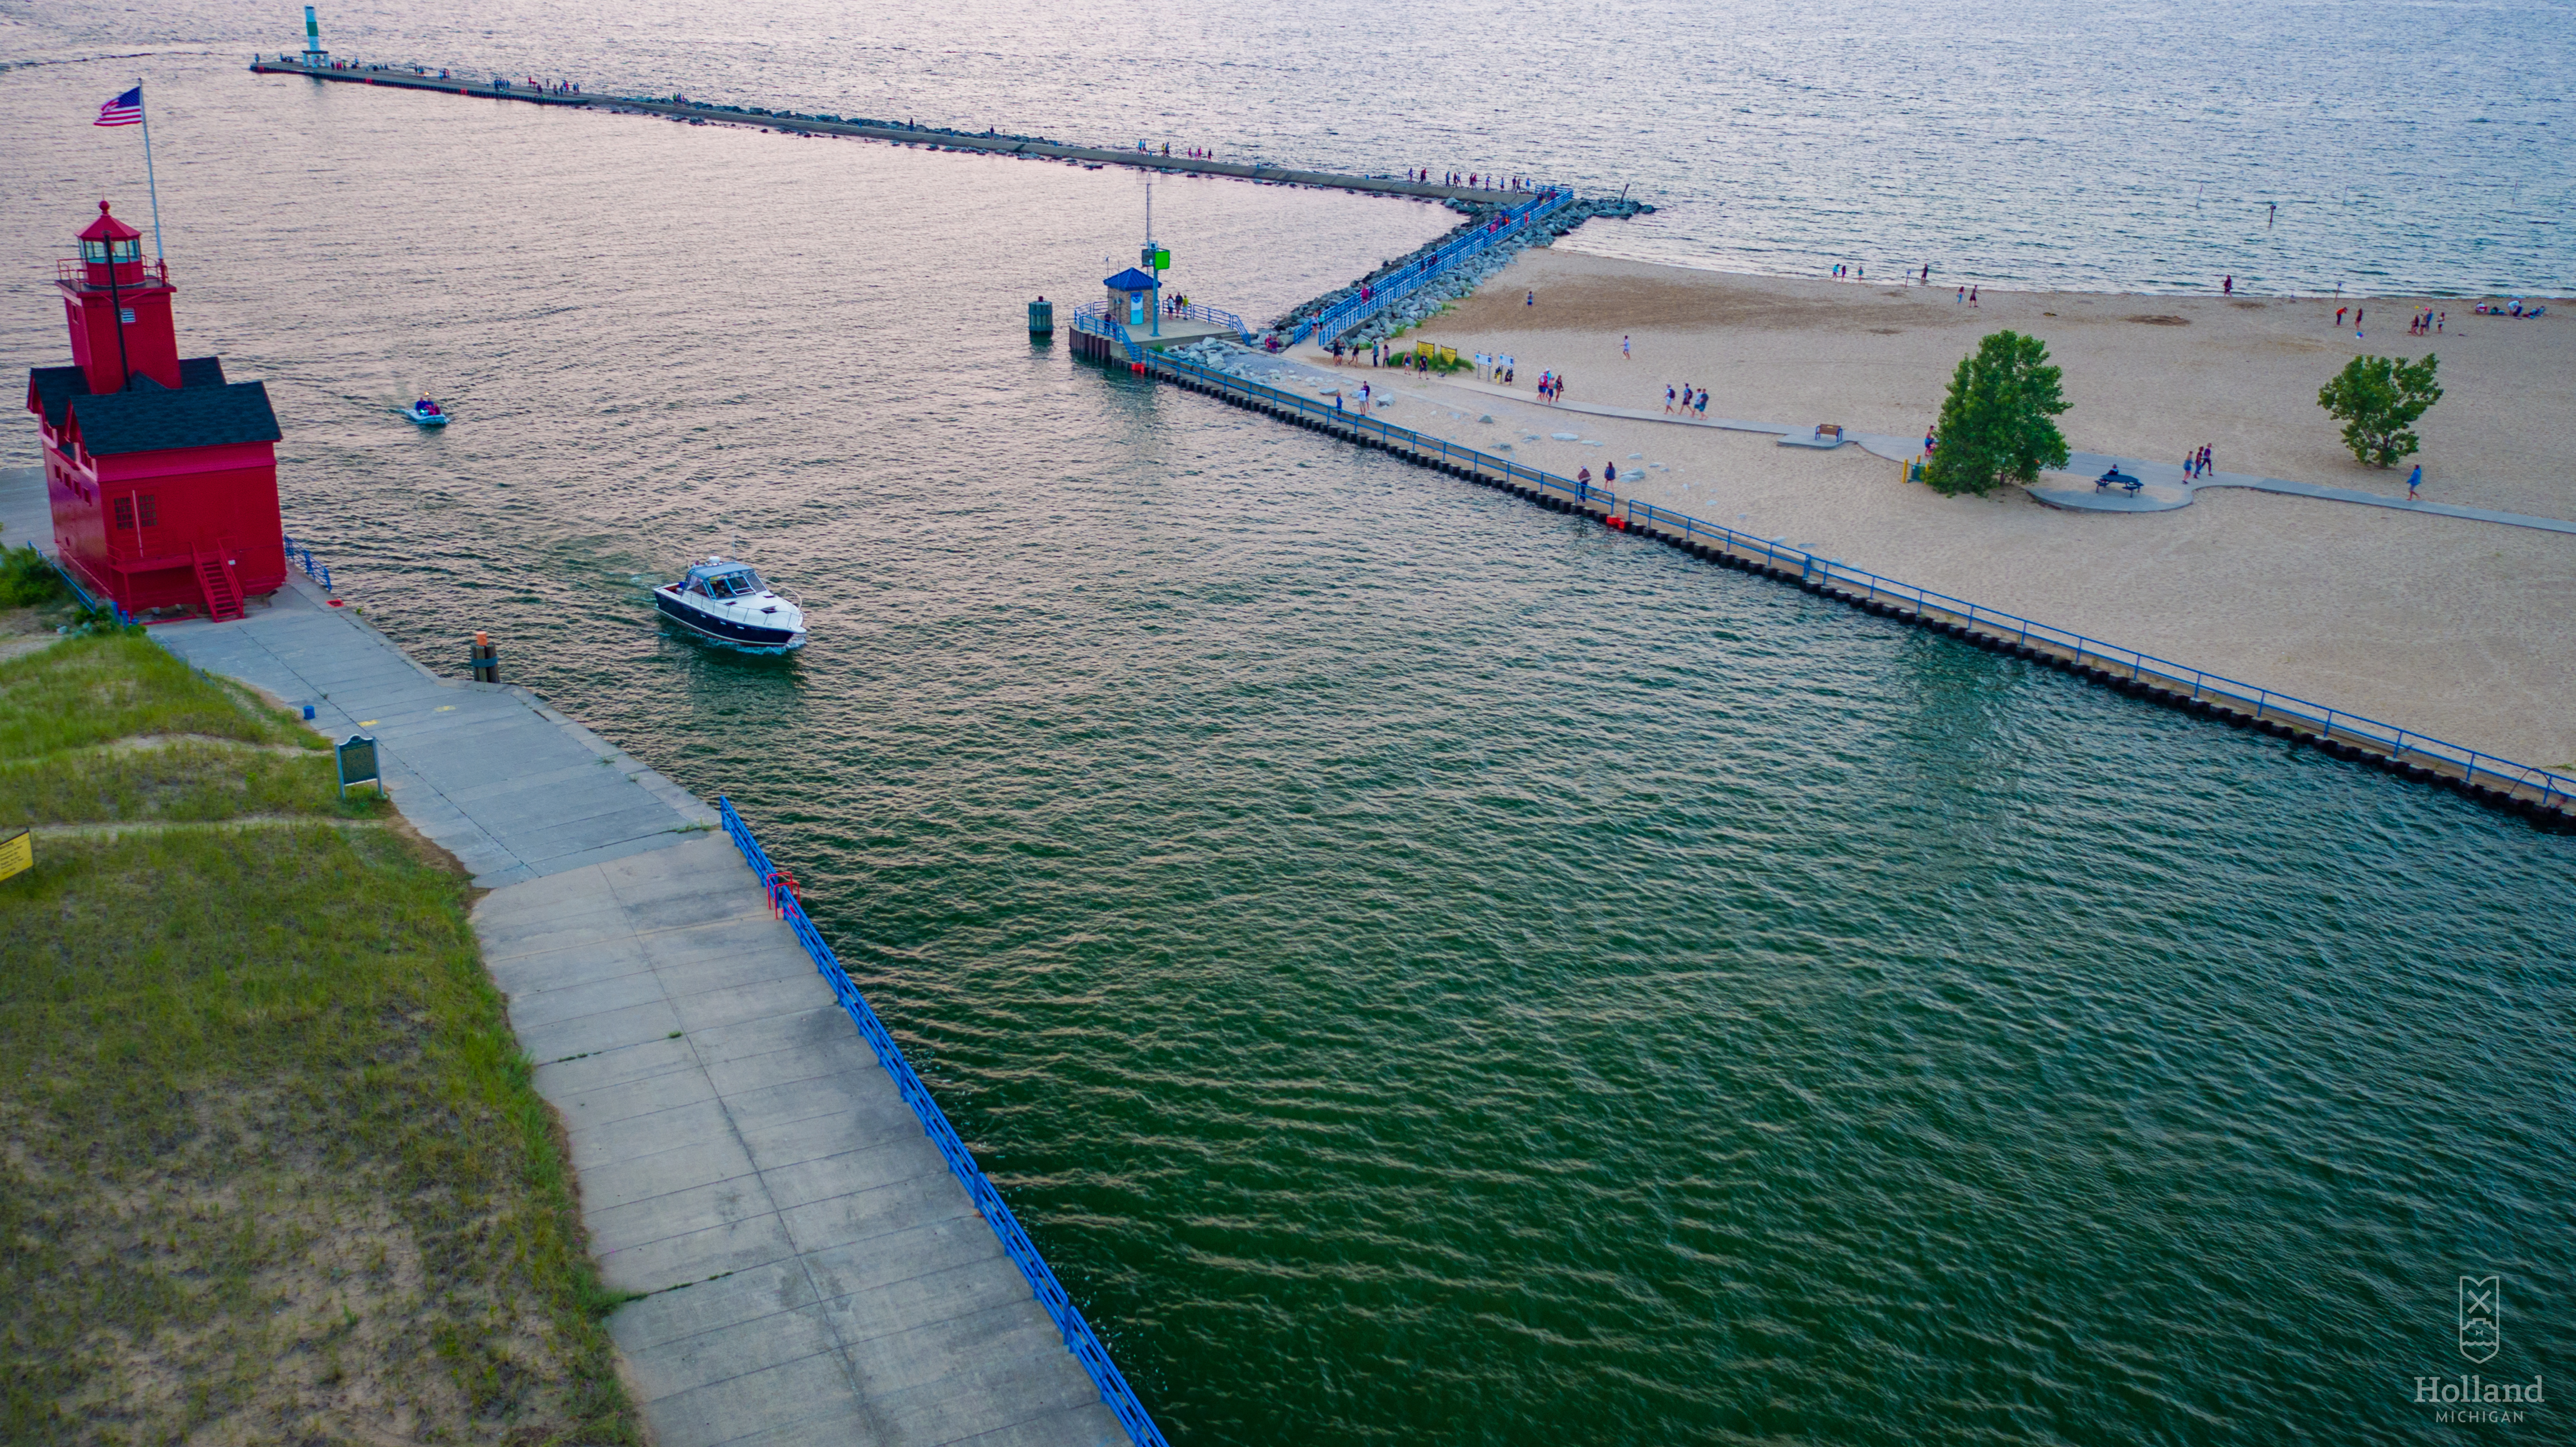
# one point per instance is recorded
(162, 475)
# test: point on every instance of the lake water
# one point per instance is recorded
(1426, 970)
(2133, 145)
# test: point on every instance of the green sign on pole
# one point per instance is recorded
(1163, 259)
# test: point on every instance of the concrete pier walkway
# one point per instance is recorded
(513, 789)
(813, 1272)
(396, 79)
(816, 1274)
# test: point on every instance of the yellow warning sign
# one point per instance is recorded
(17, 854)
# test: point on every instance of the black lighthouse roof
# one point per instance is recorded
(205, 411)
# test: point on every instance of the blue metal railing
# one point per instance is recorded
(299, 554)
(1078, 1337)
(1423, 444)
(1094, 318)
(1198, 313)
(111, 607)
(2264, 703)
(1343, 315)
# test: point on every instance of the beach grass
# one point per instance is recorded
(272, 1167)
(176, 780)
(94, 689)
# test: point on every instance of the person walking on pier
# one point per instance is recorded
(1668, 399)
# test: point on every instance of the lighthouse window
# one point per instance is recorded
(151, 510)
(125, 512)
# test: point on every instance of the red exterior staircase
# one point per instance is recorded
(215, 580)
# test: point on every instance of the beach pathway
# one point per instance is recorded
(2168, 488)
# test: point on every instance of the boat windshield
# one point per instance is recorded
(741, 584)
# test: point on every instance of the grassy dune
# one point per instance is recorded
(271, 1167)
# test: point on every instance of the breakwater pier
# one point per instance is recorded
(989, 141)
(2542, 795)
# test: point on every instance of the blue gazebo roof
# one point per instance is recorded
(1131, 280)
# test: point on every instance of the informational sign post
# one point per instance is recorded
(17, 854)
(358, 763)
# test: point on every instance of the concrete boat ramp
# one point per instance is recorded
(815, 1272)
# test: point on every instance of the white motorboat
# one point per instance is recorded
(727, 603)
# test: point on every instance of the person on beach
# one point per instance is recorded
(1623, 348)
(1583, 477)
(2414, 480)
(2204, 459)
(1963, 296)
(2228, 287)
(1609, 473)
(1702, 405)
(1668, 399)
(1927, 273)
(2440, 320)
(1928, 440)
(1531, 300)
(2339, 313)
(1972, 296)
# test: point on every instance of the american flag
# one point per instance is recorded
(125, 110)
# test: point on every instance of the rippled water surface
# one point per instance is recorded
(2127, 145)
(1427, 971)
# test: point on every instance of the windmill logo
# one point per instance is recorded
(2481, 1317)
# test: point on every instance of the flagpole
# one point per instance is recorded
(150, 182)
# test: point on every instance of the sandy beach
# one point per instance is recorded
(2452, 627)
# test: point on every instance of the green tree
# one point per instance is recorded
(1997, 424)
(2377, 399)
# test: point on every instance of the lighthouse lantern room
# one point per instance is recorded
(162, 475)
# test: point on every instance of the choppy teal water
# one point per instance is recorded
(1425, 970)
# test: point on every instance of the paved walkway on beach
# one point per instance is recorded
(731, 1132)
(2075, 491)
